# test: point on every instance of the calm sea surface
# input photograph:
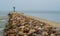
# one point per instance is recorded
(54, 16)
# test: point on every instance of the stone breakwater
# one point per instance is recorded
(22, 25)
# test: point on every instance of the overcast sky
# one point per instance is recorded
(27, 5)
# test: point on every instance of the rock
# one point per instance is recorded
(22, 25)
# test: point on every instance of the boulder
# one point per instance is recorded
(23, 25)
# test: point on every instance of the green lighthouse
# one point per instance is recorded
(14, 9)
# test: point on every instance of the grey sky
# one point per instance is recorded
(37, 5)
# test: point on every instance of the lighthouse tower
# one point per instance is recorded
(14, 9)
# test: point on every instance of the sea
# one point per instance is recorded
(48, 15)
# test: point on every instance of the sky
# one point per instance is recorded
(30, 5)
(33, 5)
